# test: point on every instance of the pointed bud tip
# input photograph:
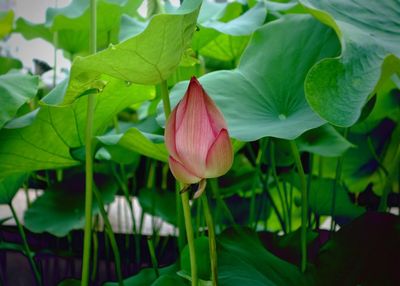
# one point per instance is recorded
(194, 82)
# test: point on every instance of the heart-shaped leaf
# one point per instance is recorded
(338, 88)
(264, 95)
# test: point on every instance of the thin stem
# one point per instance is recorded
(304, 205)
(153, 256)
(190, 236)
(110, 234)
(89, 158)
(211, 239)
(285, 211)
(165, 99)
(338, 178)
(28, 252)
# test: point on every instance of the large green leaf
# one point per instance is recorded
(62, 206)
(147, 58)
(45, 139)
(9, 186)
(264, 95)
(338, 88)
(243, 260)
(15, 90)
(72, 26)
(324, 141)
(6, 22)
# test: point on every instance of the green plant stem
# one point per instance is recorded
(28, 252)
(338, 178)
(285, 208)
(95, 255)
(153, 257)
(165, 99)
(304, 205)
(211, 239)
(89, 158)
(110, 234)
(190, 236)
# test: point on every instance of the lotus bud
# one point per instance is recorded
(197, 138)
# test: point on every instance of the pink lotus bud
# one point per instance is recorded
(197, 138)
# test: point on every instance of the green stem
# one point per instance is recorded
(165, 99)
(285, 211)
(212, 241)
(110, 234)
(28, 252)
(338, 178)
(304, 205)
(190, 236)
(153, 257)
(89, 159)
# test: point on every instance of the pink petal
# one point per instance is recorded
(181, 173)
(216, 117)
(220, 156)
(194, 133)
(169, 134)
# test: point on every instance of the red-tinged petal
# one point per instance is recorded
(181, 173)
(169, 134)
(215, 115)
(194, 134)
(220, 156)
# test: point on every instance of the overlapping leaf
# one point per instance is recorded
(337, 88)
(264, 95)
(15, 90)
(225, 40)
(147, 58)
(71, 24)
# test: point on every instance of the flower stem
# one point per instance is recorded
(165, 99)
(211, 238)
(89, 158)
(190, 236)
(28, 252)
(111, 236)
(304, 205)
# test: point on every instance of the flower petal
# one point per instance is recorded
(181, 173)
(215, 115)
(220, 156)
(169, 134)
